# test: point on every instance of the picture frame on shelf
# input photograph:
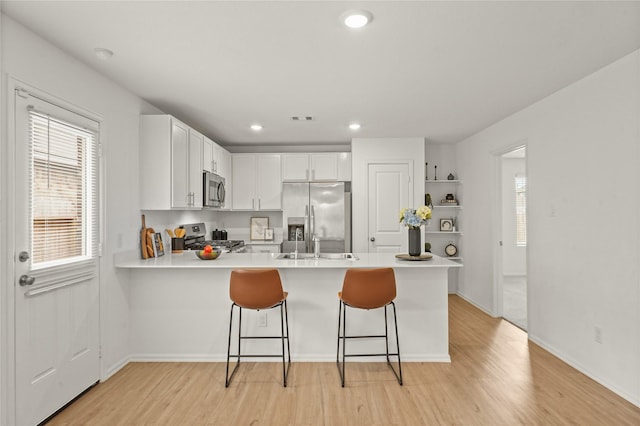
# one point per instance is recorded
(446, 225)
(257, 228)
(268, 234)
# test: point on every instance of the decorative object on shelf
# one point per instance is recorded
(427, 200)
(448, 200)
(446, 225)
(435, 173)
(427, 247)
(426, 171)
(413, 219)
(268, 234)
(257, 228)
(451, 249)
(450, 177)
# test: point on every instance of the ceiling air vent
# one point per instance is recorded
(303, 118)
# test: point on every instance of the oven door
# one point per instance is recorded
(214, 191)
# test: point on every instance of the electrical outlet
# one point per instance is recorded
(597, 334)
(262, 319)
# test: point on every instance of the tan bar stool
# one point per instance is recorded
(258, 289)
(367, 289)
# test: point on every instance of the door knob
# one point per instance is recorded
(27, 280)
(372, 239)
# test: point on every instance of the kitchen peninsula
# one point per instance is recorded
(179, 306)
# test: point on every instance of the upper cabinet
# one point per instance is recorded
(170, 163)
(256, 182)
(326, 166)
(215, 159)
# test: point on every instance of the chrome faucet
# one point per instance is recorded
(298, 235)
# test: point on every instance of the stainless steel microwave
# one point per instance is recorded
(214, 191)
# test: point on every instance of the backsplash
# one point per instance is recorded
(236, 223)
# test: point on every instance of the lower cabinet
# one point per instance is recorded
(262, 248)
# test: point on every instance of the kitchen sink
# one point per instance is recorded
(327, 256)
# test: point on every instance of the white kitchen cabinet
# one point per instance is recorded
(256, 182)
(170, 164)
(214, 158)
(262, 248)
(207, 155)
(194, 187)
(326, 166)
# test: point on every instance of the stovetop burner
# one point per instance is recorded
(195, 239)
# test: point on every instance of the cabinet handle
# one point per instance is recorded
(253, 203)
(259, 204)
(307, 174)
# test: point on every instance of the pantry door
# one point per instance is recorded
(389, 192)
(56, 292)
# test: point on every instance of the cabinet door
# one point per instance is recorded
(269, 182)
(207, 155)
(223, 163)
(344, 166)
(244, 181)
(295, 167)
(195, 169)
(179, 165)
(324, 166)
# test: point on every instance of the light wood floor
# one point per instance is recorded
(496, 377)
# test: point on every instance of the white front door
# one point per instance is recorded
(389, 192)
(56, 257)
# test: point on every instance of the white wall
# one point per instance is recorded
(33, 60)
(514, 258)
(583, 203)
(364, 150)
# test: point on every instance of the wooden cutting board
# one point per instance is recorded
(143, 239)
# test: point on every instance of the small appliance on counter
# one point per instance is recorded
(195, 239)
(219, 235)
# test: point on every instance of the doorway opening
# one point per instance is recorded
(513, 246)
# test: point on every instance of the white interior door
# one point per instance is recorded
(389, 192)
(56, 258)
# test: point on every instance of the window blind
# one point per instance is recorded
(521, 211)
(63, 201)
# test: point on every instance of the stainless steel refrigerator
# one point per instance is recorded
(310, 208)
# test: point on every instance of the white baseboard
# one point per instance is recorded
(295, 358)
(482, 308)
(115, 368)
(634, 399)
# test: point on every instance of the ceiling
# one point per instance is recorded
(439, 70)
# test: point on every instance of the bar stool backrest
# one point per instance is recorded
(255, 288)
(369, 288)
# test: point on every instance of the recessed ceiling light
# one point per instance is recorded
(256, 127)
(354, 126)
(356, 18)
(103, 53)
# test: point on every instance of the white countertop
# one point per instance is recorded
(188, 259)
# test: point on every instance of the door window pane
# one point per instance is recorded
(63, 191)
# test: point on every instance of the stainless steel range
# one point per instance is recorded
(196, 239)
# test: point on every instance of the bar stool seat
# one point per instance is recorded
(258, 289)
(367, 289)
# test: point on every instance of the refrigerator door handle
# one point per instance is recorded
(312, 225)
(306, 227)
